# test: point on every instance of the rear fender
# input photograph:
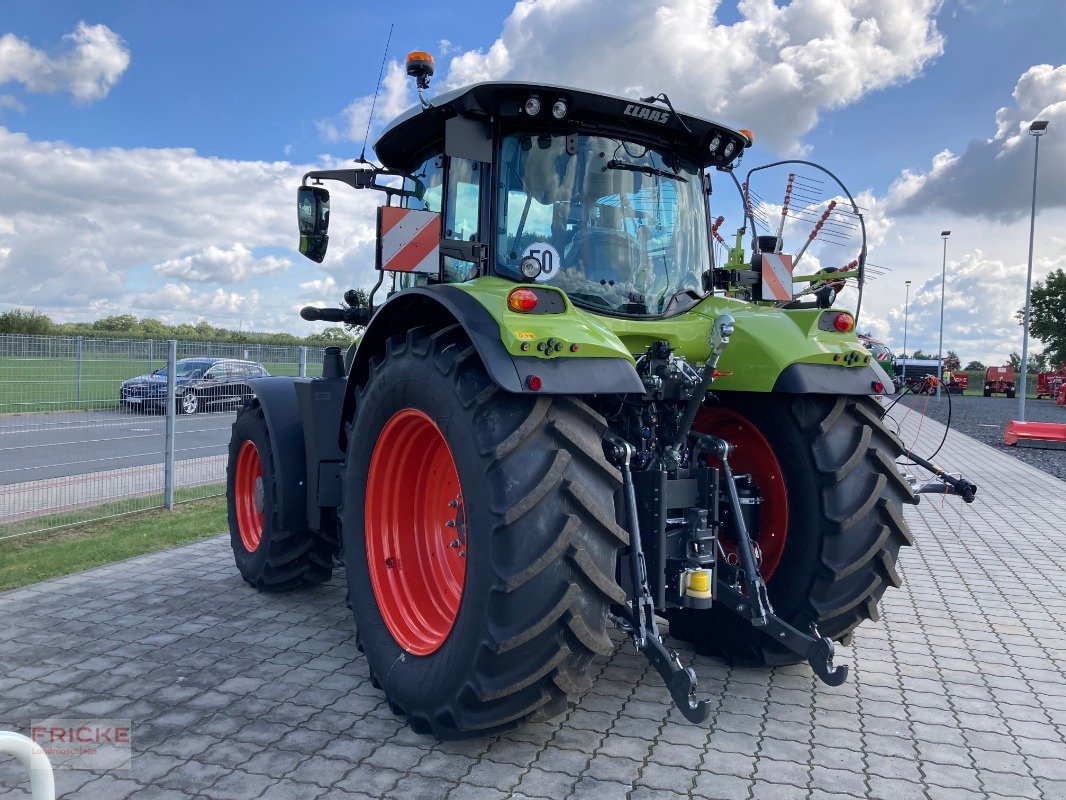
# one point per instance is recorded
(441, 306)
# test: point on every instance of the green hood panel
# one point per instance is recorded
(765, 342)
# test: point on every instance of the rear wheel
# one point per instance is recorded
(479, 539)
(830, 524)
(268, 557)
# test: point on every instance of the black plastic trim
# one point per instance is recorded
(826, 379)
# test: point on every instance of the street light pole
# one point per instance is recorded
(1036, 130)
(943, 283)
(906, 313)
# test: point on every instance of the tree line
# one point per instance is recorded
(127, 326)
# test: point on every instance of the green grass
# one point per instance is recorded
(51, 384)
(29, 559)
(102, 511)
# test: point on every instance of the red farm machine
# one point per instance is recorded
(566, 415)
(1050, 384)
(999, 380)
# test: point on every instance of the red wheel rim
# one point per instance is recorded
(754, 456)
(248, 496)
(415, 532)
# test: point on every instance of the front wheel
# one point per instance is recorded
(830, 518)
(188, 402)
(479, 540)
(270, 558)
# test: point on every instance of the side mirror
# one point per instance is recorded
(312, 216)
(312, 209)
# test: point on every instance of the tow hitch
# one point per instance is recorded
(641, 624)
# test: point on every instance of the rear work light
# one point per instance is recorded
(845, 323)
(522, 300)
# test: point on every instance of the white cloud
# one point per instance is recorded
(78, 220)
(81, 228)
(394, 98)
(93, 59)
(993, 177)
(775, 70)
(12, 102)
(181, 297)
(218, 264)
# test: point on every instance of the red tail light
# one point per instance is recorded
(522, 300)
(845, 323)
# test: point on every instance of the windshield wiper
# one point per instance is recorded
(647, 169)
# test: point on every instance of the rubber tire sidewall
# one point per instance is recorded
(250, 427)
(801, 573)
(542, 544)
(439, 673)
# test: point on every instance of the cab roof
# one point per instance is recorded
(417, 129)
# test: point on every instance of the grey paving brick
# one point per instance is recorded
(538, 783)
(319, 770)
(1005, 784)
(554, 759)
(949, 776)
(192, 777)
(721, 787)
(724, 763)
(419, 786)
(238, 785)
(838, 781)
(592, 789)
(894, 789)
(444, 766)
(611, 768)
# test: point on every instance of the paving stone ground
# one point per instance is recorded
(958, 691)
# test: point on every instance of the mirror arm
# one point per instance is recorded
(359, 179)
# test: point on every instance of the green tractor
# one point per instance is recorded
(563, 418)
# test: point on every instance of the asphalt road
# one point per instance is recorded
(54, 445)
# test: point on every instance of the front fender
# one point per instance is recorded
(281, 409)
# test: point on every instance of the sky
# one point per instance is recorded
(150, 152)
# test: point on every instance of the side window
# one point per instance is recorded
(463, 211)
(427, 182)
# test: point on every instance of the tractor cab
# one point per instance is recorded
(599, 196)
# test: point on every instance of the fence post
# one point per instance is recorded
(151, 354)
(303, 361)
(77, 352)
(172, 412)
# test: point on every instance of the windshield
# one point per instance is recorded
(185, 369)
(618, 226)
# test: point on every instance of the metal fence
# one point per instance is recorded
(72, 451)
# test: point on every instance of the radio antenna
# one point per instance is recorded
(374, 102)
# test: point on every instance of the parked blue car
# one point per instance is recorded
(201, 384)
